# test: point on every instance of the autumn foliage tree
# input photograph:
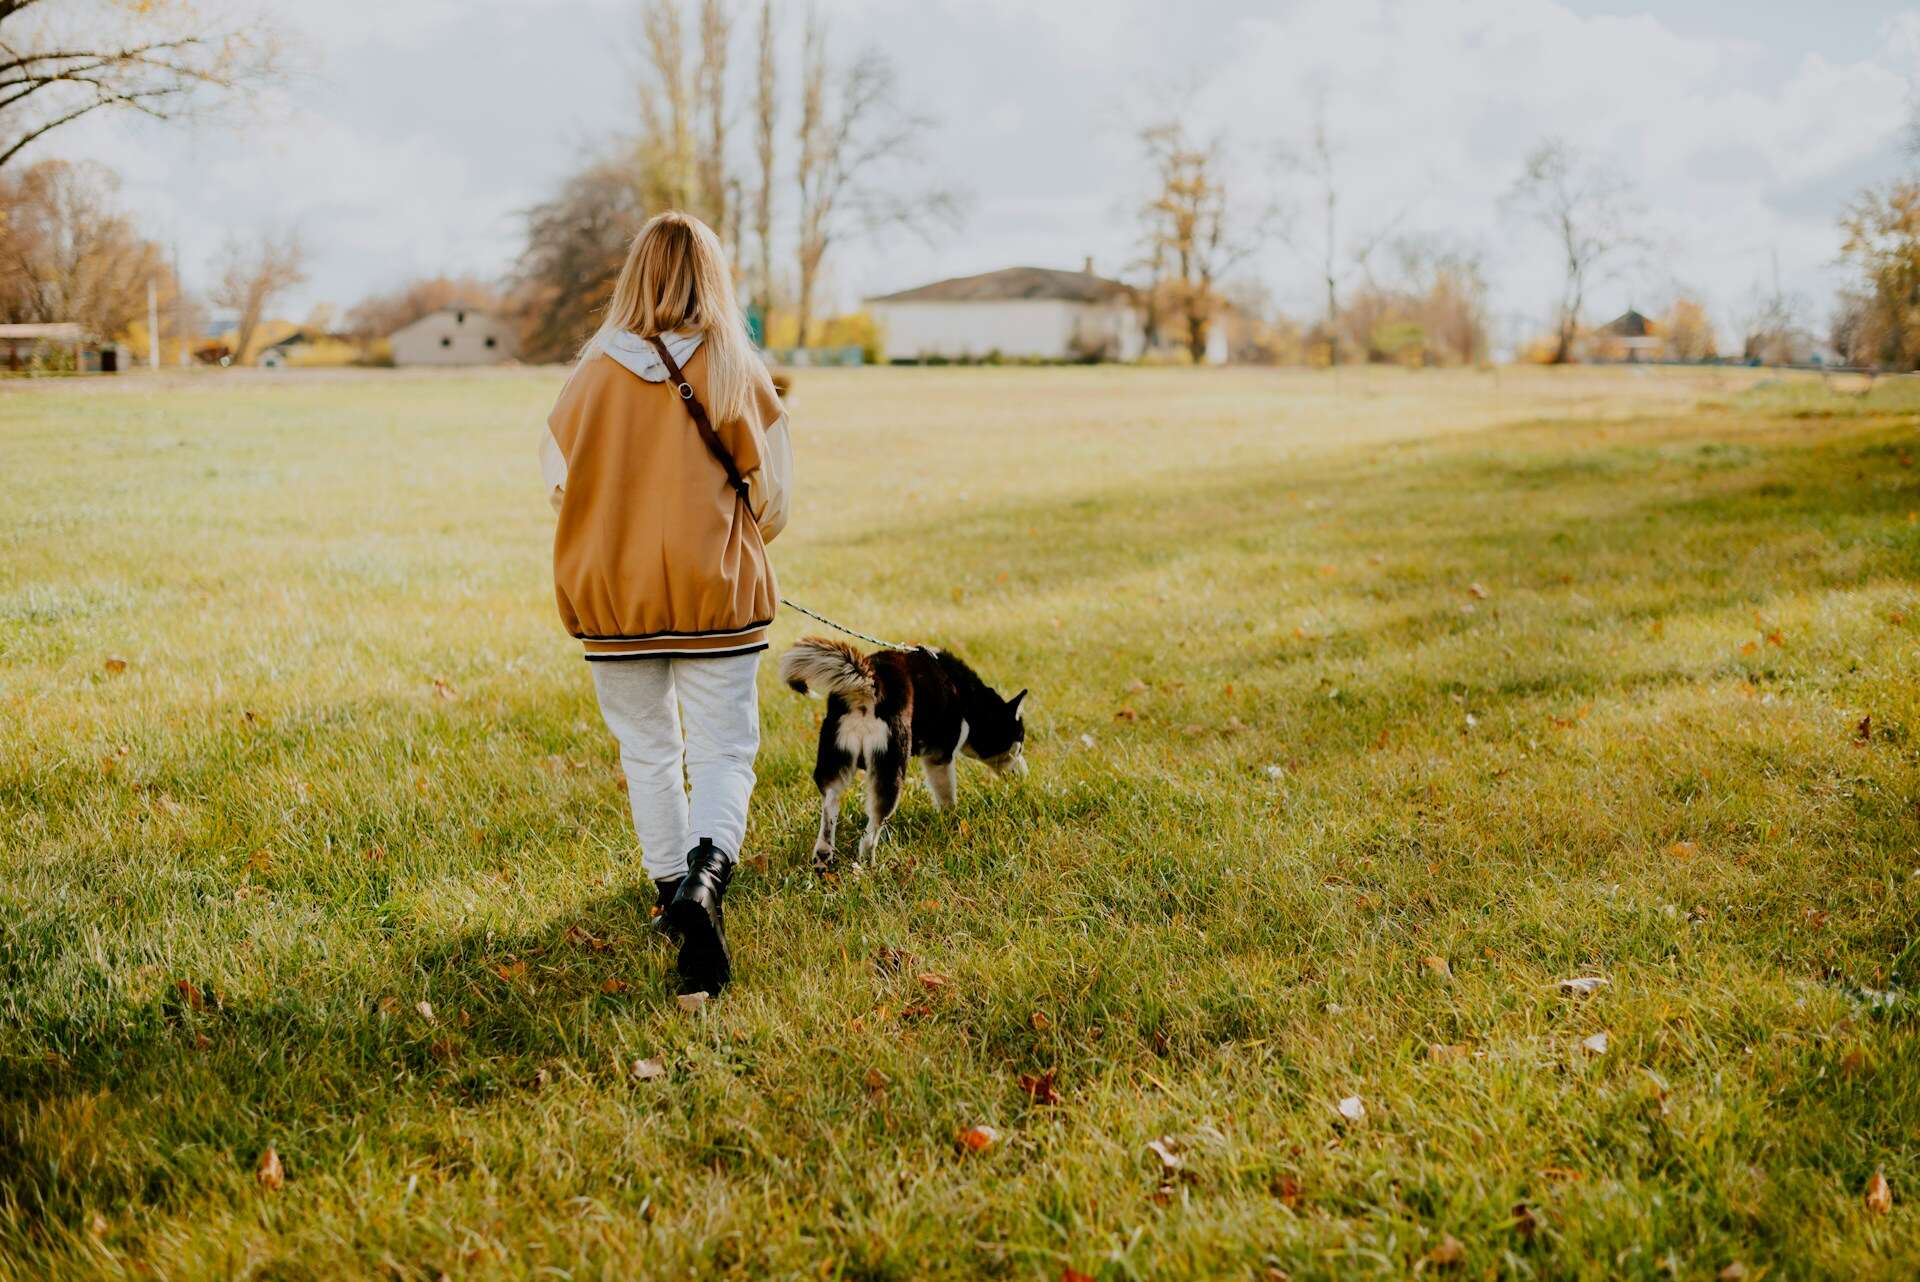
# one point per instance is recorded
(1194, 233)
(69, 253)
(1882, 243)
(252, 273)
(1590, 211)
(64, 59)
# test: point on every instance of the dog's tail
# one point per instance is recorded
(829, 667)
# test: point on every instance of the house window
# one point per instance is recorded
(459, 318)
(446, 342)
(490, 341)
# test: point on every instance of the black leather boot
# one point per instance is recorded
(664, 891)
(705, 966)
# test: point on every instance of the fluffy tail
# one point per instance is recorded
(829, 667)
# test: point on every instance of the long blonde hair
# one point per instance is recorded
(676, 278)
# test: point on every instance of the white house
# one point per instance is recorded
(1018, 312)
(454, 336)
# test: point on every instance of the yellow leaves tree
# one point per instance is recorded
(1882, 230)
(1688, 330)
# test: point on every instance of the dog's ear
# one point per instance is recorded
(1013, 704)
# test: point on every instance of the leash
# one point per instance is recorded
(841, 627)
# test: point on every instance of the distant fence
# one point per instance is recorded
(816, 356)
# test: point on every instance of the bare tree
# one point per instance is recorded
(1321, 163)
(68, 253)
(766, 119)
(252, 276)
(666, 110)
(1590, 210)
(710, 97)
(64, 59)
(858, 145)
(1194, 233)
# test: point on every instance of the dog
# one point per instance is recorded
(886, 707)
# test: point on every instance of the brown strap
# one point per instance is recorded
(698, 413)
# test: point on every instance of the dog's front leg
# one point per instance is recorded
(940, 782)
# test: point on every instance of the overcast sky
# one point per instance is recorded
(423, 128)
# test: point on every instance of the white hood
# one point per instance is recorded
(637, 354)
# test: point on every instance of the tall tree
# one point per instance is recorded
(1590, 210)
(710, 96)
(1195, 235)
(251, 276)
(64, 59)
(1322, 167)
(1882, 230)
(575, 244)
(68, 253)
(666, 110)
(766, 120)
(859, 148)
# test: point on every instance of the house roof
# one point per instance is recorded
(1014, 283)
(457, 315)
(67, 331)
(1628, 324)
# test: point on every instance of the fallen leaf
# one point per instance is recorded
(1776, 637)
(1353, 1108)
(1136, 686)
(1071, 1274)
(1856, 1059)
(1478, 591)
(1449, 1253)
(1040, 1021)
(1595, 1045)
(933, 981)
(1735, 1272)
(691, 1003)
(1437, 965)
(426, 1010)
(1879, 1194)
(877, 1083)
(1445, 1052)
(613, 984)
(1560, 1174)
(1039, 1087)
(190, 994)
(97, 1226)
(978, 1139)
(1749, 647)
(1288, 1190)
(1524, 1220)
(270, 1173)
(115, 664)
(1863, 733)
(444, 689)
(510, 971)
(1126, 714)
(388, 1005)
(1583, 985)
(1167, 1149)
(648, 1070)
(1684, 849)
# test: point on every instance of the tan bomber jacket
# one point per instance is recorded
(654, 553)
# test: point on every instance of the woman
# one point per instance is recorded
(660, 562)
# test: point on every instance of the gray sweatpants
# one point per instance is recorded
(697, 715)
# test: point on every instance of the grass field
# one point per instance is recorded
(1367, 707)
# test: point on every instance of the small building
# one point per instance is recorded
(60, 347)
(1020, 313)
(454, 336)
(1627, 339)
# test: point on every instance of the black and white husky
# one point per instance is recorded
(885, 707)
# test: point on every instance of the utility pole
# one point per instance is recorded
(179, 309)
(153, 323)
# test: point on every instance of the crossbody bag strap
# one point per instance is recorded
(698, 413)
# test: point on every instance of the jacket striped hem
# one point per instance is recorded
(616, 657)
(668, 643)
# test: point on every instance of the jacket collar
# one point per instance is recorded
(637, 354)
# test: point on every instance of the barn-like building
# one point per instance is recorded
(454, 336)
(1032, 313)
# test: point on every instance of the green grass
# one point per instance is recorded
(1366, 708)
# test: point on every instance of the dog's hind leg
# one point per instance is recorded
(831, 790)
(884, 778)
(940, 782)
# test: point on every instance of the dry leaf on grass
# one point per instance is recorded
(1136, 686)
(1734, 1272)
(877, 1083)
(1126, 714)
(648, 1070)
(1449, 1253)
(691, 1003)
(1040, 1021)
(1071, 1274)
(1525, 1222)
(444, 689)
(1595, 1045)
(1437, 966)
(1353, 1108)
(1445, 1052)
(510, 971)
(1684, 849)
(1167, 1149)
(1478, 591)
(269, 1172)
(1287, 1189)
(933, 981)
(115, 664)
(426, 1010)
(978, 1139)
(1879, 1196)
(1039, 1087)
(1583, 985)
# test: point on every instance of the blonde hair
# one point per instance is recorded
(676, 278)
